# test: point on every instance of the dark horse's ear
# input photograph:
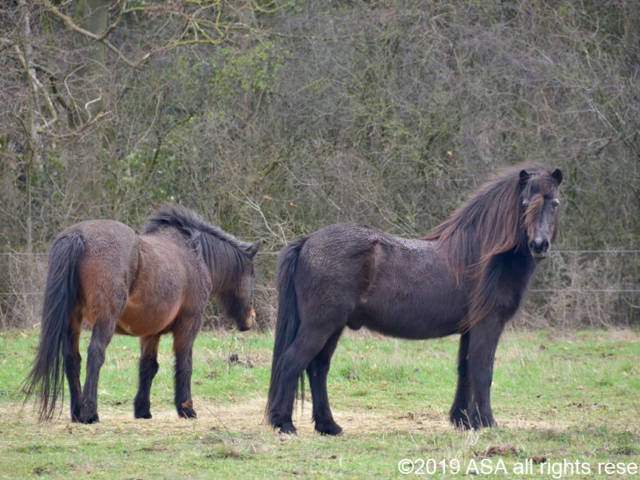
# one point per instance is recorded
(557, 175)
(524, 176)
(253, 248)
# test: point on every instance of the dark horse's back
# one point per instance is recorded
(367, 277)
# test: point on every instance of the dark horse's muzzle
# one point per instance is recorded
(539, 247)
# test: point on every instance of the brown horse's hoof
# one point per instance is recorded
(187, 413)
(185, 410)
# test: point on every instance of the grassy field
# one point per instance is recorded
(556, 396)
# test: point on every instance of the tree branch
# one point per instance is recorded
(98, 38)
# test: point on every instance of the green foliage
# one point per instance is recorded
(254, 71)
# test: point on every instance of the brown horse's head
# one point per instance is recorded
(229, 261)
(540, 201)
(237, 297)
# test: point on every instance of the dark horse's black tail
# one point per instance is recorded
(61, 294)
(288, 318)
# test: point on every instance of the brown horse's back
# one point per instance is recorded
(142, 281)
(107, 268)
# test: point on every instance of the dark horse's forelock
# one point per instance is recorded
(208, 241)
(490, 223)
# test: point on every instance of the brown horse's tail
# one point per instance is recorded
(288, 318)
(61, 294)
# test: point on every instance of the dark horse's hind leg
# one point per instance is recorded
(307, 344)
(100, 338)
(483, 342)
(317, 371)
(458, 413)
(72, 363)
(148, 367)
(184, 334)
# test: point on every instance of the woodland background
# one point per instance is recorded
(274, 118)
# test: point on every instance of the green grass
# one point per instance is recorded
(556, 396)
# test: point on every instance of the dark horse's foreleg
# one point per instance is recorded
(184, 334)
(100, 337)
(458, 413)
(295, 360)
(72, 363)
(483, 343)
(317, 371)
(148, 367)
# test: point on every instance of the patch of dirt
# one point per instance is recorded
(499, 450)
(248, 418)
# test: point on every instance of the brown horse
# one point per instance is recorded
(467, 276)
(101, 272)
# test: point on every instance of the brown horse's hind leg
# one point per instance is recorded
(72, 362)
(317, 371)
(148, 368)
(184, 334)
(100, 338)
(104, 308)
(458, 413)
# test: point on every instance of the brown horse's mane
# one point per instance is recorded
(490, 223)
(224, 255)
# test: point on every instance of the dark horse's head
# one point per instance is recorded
(540, 201)
(229, 261)
(515, 212)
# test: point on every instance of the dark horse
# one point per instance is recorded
(145, 286)
(468, 276)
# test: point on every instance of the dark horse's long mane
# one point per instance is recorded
(224, 255)
(490, 223)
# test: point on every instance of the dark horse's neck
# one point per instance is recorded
(516, 269)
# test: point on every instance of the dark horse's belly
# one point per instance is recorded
(413, 297)
(405, 321)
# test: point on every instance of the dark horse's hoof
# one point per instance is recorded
(89, 418)
(460, 418)
(461, 422)
(288, 429)
(483, 421)
(145, 415)
(329, 428)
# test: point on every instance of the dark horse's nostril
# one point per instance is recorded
(545, 246)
